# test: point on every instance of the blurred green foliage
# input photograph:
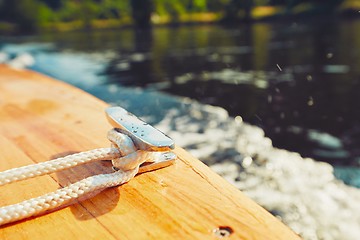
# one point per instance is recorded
(27, 14)
(32, 15)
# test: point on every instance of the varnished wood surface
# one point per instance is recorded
(41, 119)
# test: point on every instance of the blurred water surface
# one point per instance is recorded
(299, 81)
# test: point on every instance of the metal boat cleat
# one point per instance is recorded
(144, 136)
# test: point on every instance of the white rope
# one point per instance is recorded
(63, 196)
(128, 167)
(21, 173)
(122, 145)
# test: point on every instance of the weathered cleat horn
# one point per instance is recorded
(145, 136)
(165, 159)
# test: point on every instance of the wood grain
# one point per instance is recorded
(41, 119)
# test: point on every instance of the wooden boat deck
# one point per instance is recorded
(41, 119)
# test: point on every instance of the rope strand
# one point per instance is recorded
(38, 205)
(39, 169)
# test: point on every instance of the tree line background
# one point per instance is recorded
(32, 15)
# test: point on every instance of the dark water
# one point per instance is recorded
(299, 81)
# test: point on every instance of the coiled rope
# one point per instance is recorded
(126, 159)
